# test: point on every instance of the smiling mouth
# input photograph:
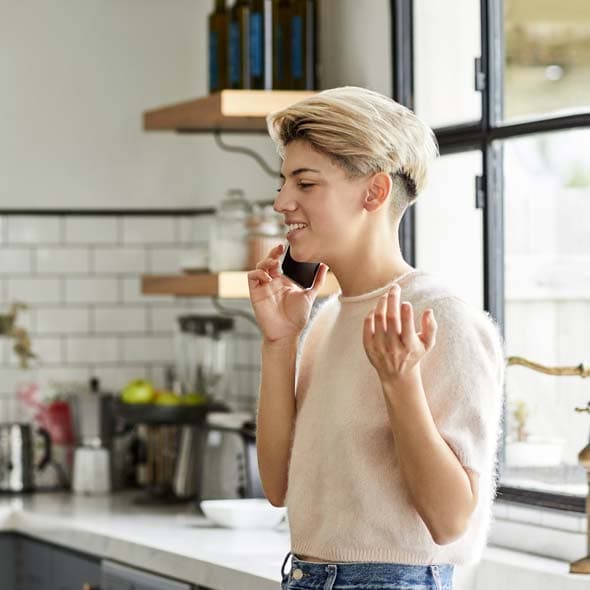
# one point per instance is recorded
(295, 230)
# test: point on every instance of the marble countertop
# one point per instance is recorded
(175, 541)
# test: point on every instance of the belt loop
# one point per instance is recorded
(284, 562)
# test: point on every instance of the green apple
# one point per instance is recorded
(167, 398)
(138, 391)
(194, 399)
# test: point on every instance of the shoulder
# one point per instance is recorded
(319, 317)
(460, 323)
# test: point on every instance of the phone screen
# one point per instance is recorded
(302, 273)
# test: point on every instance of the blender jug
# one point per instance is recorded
(202, 345)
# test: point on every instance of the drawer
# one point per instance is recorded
(121, 577)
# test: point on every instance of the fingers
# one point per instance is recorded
(408, 333)
(271, 263)
(391, 322)
(429, 329)
(393, 317)
(368, 331)
(258, 277)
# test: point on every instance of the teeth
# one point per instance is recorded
(296, 226)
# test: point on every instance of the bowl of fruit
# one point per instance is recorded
(142, 403)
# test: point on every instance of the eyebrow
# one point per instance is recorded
(300, 171)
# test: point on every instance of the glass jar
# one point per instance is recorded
(228, 234)
(265, 231)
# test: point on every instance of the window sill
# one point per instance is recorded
(556, 534)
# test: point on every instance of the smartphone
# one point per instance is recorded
(302, 273)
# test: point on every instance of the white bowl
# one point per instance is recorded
(256, 513)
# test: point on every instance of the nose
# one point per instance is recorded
(283, 202)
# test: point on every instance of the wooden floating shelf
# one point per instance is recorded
(228, 285)
(228, 110)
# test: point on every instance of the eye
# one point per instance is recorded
(304, 185)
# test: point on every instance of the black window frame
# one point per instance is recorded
(489, 191)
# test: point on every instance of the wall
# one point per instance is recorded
(76, 78)
(81, 278)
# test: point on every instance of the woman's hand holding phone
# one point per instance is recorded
(281, 306)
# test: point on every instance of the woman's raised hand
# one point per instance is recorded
(390, 339)
(281, 306)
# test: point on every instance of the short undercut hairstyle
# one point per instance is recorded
(363, 132)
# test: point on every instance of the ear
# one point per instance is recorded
(377, 191)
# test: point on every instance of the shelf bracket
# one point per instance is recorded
(247, 152)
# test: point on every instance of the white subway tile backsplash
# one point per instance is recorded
(149, 230)
(34, 290)
(67, 378)
(167, 260)
(92, 230)
(132, 293)
(16, 261)
(195, 229)
(148, 349)
(115, 378)
(33, 230)
(49, 351)
(93, 349)
(120, 260)
(81, 276)
(120, 320)
(91, 290)
(201, 226)
(62, 260)
(62, 320)
(164, 319)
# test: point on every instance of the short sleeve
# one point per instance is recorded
(463, 378)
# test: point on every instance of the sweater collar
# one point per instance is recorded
(376, 292)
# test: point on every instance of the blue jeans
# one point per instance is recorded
(308, 575)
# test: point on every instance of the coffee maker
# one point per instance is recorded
(99, 464)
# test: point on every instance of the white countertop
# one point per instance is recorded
(175, 541)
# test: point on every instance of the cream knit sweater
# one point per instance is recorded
(346, 499)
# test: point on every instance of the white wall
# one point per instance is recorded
(76, 78)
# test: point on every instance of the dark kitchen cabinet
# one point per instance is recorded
(121, 577)
(7, 562)
(45, 567)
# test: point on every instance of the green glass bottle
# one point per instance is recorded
(303, 40)
(281, 47)
(261, 52)
(218, 47)
(239, 41)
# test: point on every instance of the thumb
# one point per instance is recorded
(319, 280)
(429, 327)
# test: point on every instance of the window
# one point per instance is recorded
(507, 89)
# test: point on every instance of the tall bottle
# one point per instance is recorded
(239, 41)
(218, 47)
(303, 38)
(281, 44)
(261, 51)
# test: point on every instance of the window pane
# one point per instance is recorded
(547, 234)
(547, 56)
(449, 228)
(445, 48)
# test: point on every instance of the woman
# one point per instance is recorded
(379, 415)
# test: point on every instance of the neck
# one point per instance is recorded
(371, 263)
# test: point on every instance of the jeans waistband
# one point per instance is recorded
(351, 573)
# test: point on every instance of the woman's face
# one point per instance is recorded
(316, 192)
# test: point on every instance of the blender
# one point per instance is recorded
(201, 354)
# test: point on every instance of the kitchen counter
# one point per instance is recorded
(174, 541)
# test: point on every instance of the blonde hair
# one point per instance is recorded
(364, 132)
